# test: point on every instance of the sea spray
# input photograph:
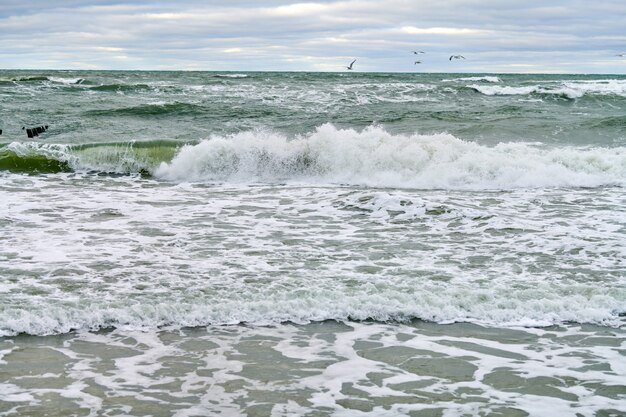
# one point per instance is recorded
(375, 157)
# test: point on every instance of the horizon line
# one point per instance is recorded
(312, 71)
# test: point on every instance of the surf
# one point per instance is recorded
(375, 157)
(329, 155)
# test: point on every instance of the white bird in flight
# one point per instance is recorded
(419, 52)
(351, 63)
(620, 55)
(417, 62)
(456, 57)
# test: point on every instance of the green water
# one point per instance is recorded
(312, 244)
(117, 106)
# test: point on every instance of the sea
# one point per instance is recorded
(312, 244)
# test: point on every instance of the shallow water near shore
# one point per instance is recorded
(319, 369)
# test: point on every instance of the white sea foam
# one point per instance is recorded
(568, 89)
(599, 87)
(487, 78)
(232, 75)
(58, 152)
(499, 306)
(372, 157)
(133, 253)
(497, 90)
(331, 368)
(314, 97)
(375, 157)
(67, 81)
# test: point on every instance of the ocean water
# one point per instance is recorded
(312, 244)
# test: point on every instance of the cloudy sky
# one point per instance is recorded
(569, 36)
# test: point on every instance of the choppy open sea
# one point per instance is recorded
(312, 244)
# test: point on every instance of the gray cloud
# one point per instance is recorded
(495, 35)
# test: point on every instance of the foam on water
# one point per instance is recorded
(374, 157)
(371, 157)
(138, 253)
(67, 81)
(499, 306)
(326, 369)
(232, 75)
(598, 87)
(119, 107)
(568, 89)
(54, 151)
(408, 257)
(487, 78)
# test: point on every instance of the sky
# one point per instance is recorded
(496, 36)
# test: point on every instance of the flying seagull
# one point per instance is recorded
(351, 63)
(417, 62)
(456, 57)
(419, 52)
(620, 55)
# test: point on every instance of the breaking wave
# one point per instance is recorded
(568, 89)
(374, 157)
(122, 87)
(486, 78)
(371, 157)
(118, 158)
(231, 75)
(38, 78)
(497, 306)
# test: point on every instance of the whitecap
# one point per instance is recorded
(375, 157)
(487, 78)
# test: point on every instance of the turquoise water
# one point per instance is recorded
(189, 243)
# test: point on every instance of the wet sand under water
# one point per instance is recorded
(319, 369)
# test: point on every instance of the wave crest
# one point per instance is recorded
(371, 157)
(570, 89)
(374, 157)
(486, 78)
(118, 158)
(499, 306)
(231, 75)
(152, 109)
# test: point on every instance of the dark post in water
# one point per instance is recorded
(35, 131)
